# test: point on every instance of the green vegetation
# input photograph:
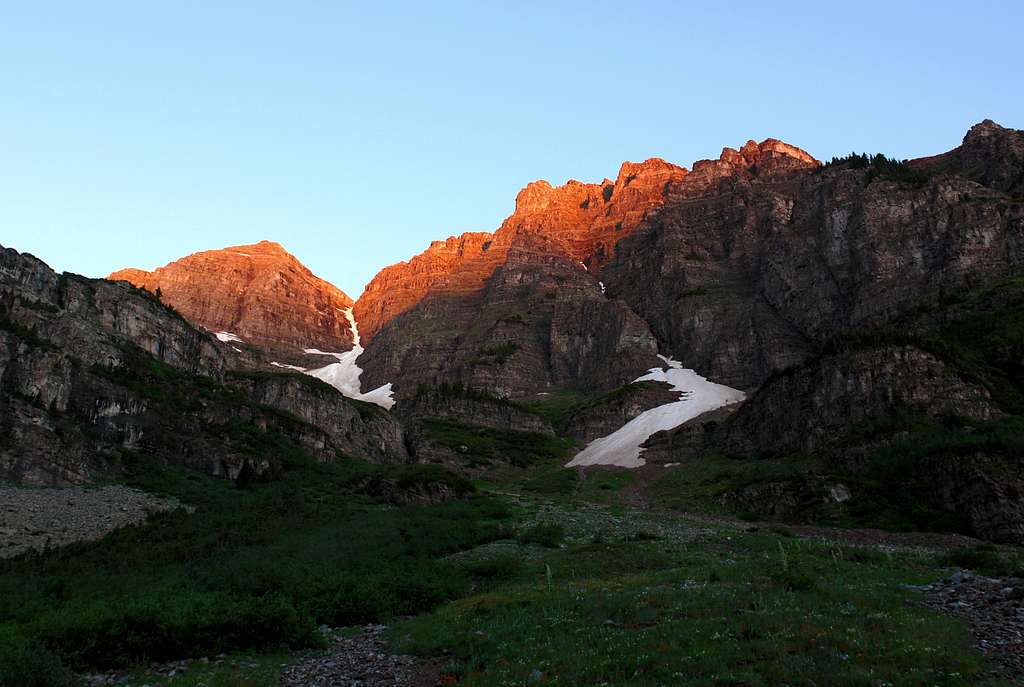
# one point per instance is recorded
(252, 568)
(514, 318)
(889, 493)
(39, 306)
(26, 334)
(691, 292)
(987, 559)
(560, 406)
(691, 609)
(982, 337)
(484, 445)
(702, 484)
(538, 580)
(880, 166)
(549, 534)
(365, 409)
(551, 480)
(496, 354)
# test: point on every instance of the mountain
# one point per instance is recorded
(96, 376)
(523, 310)
(761, 274)
(854, 326)
(259, 293)
(836, 296)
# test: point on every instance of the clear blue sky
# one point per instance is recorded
(132, 133)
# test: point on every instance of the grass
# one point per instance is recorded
(485, 445)
(700, 485)
(601, 484)
(891, 492)
(256, 568)
(579, 592)
(235, 670)
(560, 406)
(495, 354)
(987, 559)
(366, 410)
(726, 609)
(551, 480)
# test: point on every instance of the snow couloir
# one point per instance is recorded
(343, 374)
(697, 396)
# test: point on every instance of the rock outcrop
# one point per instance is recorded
(94, 373)
(757, 272)
(811, 409)
(260, 293)
(533, 289)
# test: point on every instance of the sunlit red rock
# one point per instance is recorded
(578, 221)
(259, 292)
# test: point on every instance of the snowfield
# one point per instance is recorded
(697, 396)
(227, 336)
(343, 374)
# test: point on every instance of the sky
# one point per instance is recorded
(133, 133)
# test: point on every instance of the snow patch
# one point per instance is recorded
(248, 255)
(696, 396)
(227, 336)
(601, 284)
(236, 349)
(289, 367)
(343, 374)
(585, 268)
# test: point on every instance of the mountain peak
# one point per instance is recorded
(259, 292)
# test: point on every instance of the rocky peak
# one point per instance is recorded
(259, 292)
(577, 221)
(766, 158)
(991, 155)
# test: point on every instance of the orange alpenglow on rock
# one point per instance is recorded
(577, 221)
(258, 293)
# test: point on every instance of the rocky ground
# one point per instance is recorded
(994, 607)
(359, 660)
(45, 518)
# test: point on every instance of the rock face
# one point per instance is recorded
(754, 272)
(259, 292)
(523, 310)
(617, 408)
(812, 408)
(477, 412)
(990, 155)
(842, 409)
(94, 373)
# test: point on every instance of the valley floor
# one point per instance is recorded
(584, 582)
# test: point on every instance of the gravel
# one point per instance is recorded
(994, 607)
(37, 519)
(360, 660)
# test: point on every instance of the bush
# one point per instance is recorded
(27, 663)
(985, 559)
(157, 628)
(504, 567)
(556, 481)
(547, 534)
(793, 580)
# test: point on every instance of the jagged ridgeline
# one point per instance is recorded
(763, 270)
(855, 331)
(95, 372)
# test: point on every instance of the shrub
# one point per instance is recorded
(503, 567)
(28, 663)
(556, 481)
(985, 559)
(793, 580)
(547, 534)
